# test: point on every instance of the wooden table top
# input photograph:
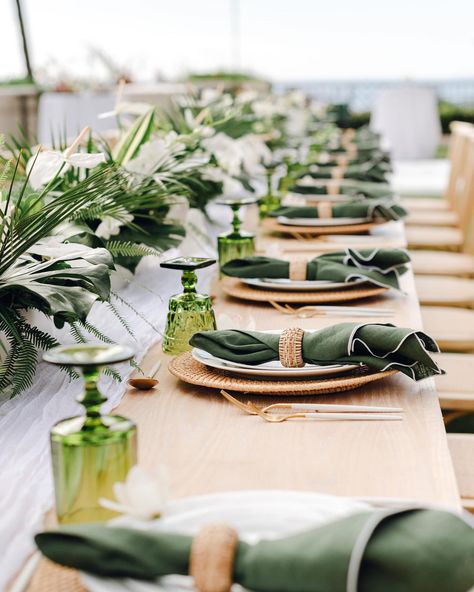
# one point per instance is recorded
(209, 445)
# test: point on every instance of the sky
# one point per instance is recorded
(279, 40)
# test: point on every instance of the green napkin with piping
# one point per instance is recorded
(375, 551)
(348, 187)
(372, 209)
(367, 171)
(334, 267)
(379, 346)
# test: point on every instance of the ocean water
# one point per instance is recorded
(361, 94)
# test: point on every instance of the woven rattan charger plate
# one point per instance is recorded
(234, 287)
(273, 225)
(189, 370)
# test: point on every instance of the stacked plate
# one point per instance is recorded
(270, 370)
(299, 285)
(315, 222)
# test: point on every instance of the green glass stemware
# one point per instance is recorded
(237, 243)
(271, 200)
(90, 452)
(188, 312)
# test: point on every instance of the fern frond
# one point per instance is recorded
(113, 373)
(93, 330)
(122, 320)
(129, 249)
(138, 313)
(78, 336)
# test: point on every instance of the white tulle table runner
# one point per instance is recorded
(26, 486)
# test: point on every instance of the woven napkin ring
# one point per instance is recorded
(297, 270)
(211, 560)
(324, 209)
(337, 172)
(333, 187)
(290, 348)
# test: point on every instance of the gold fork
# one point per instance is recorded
(316, 411)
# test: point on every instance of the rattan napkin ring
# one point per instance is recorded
(297, 270)
(290, 348)
(211, 561)
(324, 210)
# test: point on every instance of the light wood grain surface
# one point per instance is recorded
(209, 445)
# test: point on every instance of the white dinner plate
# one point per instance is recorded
(254, 514)
(299, 286)
(321, 221)
(269, 369)
(319, 197)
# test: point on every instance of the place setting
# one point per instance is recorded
(332, 277)
(352, 217)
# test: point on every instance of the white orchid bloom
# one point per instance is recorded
(143, 495)
(49, 163)
(227, 152)
(111, 226)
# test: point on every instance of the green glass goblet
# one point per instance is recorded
(90, 452)
(271, 200)
(237, 243)
(188, 312)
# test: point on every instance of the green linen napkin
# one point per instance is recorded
(379, 346)
(373, 209)
(368, 171)
(333, 267)
(348, 187)
(374, 551)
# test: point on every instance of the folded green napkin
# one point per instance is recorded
(374, 551)
(367, 171)
(348, 187)
(373, 209)
(333, 267)
(379, 346)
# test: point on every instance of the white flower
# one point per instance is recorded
(246, 96)
(111, 226)
(125, 107)
(225, 321)
(254, 153)
(48, 163)
(230, 187)
(143, 495)
(227, 152)
(266, 109)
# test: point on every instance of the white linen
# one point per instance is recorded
(26, 486)
(407, 117)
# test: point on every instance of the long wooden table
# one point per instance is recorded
(209, 445)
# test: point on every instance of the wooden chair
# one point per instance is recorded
(452, 328)
(460, 196)
(456, 387)
(461, 447)
(431, 262)
(436, 207)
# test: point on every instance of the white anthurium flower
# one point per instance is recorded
(125, 107)
(230, 187)
(227, 152)
(225, 321)
(143, 495)
(48, 163)
(254, 153)
(155, 154)
(111, 226)
(246, 96)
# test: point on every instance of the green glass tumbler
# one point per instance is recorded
(270, 201)
(188, 312)
(90, 452)
(237, 243)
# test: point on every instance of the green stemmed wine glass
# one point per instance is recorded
(237, 243)
(271, 200)
(90, 452)
(188, 312)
